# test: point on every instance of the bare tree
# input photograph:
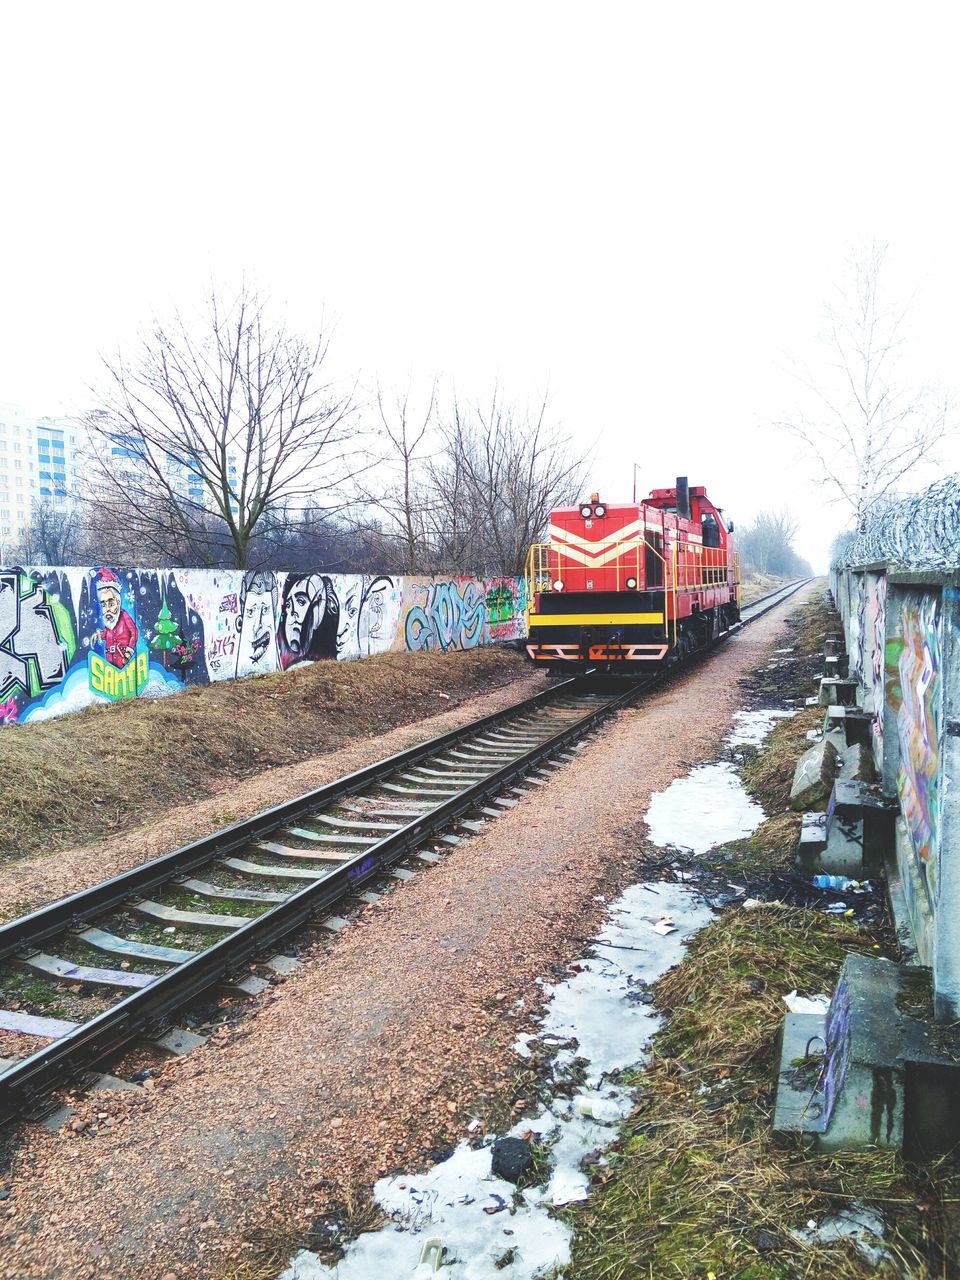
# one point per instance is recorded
(868, 429)
(496, 478)
(767, 544)
(402, 499)
(55, 534)
(209, 432)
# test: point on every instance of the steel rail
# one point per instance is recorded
(53, 918)
(148, 1008)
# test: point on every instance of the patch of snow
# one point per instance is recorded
(594, 1015)
(751, 727)
(857, 1223)
(710, 806)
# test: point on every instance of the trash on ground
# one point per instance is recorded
(857, 1223)
(806, 1004)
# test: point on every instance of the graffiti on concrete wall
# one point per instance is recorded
(37, 641)
(73, 637)
(858, 626)
(917, 701)
(370, 612)
(878, 612)
(450, 615)
(309, 619)
(460, 613)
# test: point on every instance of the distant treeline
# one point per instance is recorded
(767, 546)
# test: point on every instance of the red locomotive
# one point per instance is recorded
(619, 585)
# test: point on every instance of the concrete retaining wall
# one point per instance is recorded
(71, 637)
(902, 631)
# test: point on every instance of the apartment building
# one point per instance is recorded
(38, 462)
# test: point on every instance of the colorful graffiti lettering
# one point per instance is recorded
(918, 727)
(452, 617)
(37, 639)
(113, 682)
(72, 637)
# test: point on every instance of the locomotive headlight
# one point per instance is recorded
(631, 584)
(599, 510)
(558, 585)
(586, 511)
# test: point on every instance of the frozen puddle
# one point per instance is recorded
(710, 806)
(489, 1229)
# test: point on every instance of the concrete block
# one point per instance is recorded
(813, 832)
(837, 690)
(842, 854)
(856, 763)
(800, 1104)
(835, 721)
(177, 1041)
(892, 1074)
(858, 727)
(814, 775)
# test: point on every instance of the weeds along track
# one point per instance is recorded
(234, 896)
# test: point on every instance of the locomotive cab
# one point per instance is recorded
(624, 584)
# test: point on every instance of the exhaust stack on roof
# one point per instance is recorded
(683, 498)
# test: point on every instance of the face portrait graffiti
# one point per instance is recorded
(309, 619)
(257, 647)
(118, 635)
(374, 630)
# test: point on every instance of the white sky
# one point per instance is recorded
(642, 206)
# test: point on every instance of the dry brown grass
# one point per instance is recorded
(108, 768)
(768, 776)
(699, 1185)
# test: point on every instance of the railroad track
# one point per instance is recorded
(148, 942)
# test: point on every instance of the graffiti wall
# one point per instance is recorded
(915, 694)
(73, 637)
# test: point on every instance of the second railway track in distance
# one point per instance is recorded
(237, 894)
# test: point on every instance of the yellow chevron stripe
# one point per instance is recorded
(591, 619)
(601, 556)
(567, 535)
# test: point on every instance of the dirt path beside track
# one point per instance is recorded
(383, 1044)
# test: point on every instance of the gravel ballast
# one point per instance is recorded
(382, 1045)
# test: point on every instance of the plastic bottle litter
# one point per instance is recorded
(605, 1110)
(431, 1257)
(835, 882)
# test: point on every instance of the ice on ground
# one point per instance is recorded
(857, 1223)
(751, 727)
(710, 806)
(489, 1229)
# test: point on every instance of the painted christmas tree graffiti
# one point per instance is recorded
(165, 632)
(168, 641)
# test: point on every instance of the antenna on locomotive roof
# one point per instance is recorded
(636, 467)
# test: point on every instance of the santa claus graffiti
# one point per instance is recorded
(118, 635)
